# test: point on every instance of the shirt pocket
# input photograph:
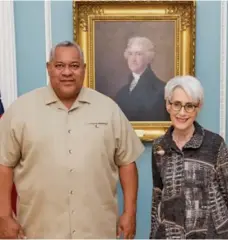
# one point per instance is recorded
(97, 130)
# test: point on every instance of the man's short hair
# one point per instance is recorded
(66, 44)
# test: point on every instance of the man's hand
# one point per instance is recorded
(126, 226)
(10, 229)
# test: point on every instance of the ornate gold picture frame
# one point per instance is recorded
(105, 30)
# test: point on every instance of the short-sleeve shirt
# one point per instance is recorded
(66, 162)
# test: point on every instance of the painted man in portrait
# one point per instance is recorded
(142, 99)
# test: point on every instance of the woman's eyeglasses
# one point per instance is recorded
(188, 107)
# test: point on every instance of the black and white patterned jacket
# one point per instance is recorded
(190, 187)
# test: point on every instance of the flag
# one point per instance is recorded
(14, 192)
(1, 107)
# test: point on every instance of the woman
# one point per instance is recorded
(190, 171)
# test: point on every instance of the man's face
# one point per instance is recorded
(137, 59)
(66, 72)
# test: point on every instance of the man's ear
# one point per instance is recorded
(48, 66)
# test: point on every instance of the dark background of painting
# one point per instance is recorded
(111, 70)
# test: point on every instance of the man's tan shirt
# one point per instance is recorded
(66, 162)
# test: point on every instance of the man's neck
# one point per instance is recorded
(138, 74)
(68, 103)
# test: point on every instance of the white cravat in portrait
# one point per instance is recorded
(134, 81)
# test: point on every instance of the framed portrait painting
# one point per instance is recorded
(132, 49)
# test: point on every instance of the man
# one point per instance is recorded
(142, 99)
(65, 146)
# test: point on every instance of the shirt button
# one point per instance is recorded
(72, 211)
(73, 231)
(71, 170)
(71, 192)
(70, 151)
(69, 131)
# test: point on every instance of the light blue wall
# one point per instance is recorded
(62, 15)
(208, 60)
(30, 45)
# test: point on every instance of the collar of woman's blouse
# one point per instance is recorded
(167, 144)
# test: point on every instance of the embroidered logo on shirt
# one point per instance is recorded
(98, 124)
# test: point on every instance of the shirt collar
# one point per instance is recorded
(167, 142)
(51, 97)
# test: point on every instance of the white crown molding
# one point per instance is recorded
(8, 71)
(223, 68)
(48, 33)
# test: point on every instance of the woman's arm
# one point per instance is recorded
(156, 197)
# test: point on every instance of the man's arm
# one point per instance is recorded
(9, 156)
(128, 150)
(6, 183)
(129, 182)
(9, 228)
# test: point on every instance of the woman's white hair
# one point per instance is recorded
(189, 84)
(148, 47)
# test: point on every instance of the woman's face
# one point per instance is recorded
(182, 109)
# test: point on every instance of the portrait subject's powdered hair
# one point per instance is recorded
(147, 46)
